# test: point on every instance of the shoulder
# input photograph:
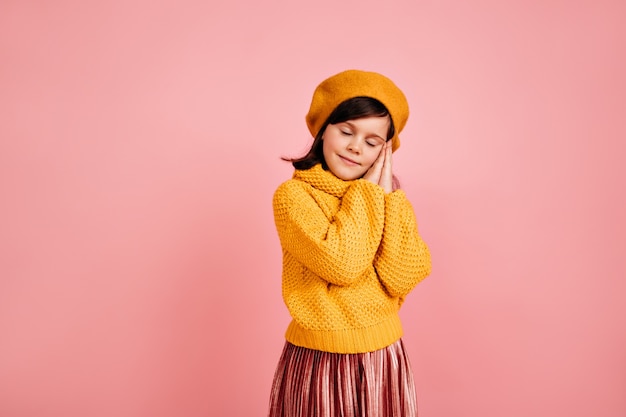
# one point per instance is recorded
(291, 186)
(291, 191)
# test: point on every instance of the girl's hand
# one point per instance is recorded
(386, 173)
(374, 173)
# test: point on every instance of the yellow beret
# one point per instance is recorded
(354, 83)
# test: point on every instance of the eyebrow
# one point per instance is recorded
(370, 135)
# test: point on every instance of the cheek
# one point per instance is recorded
(325, 146)
(328, 142)
(372, 156)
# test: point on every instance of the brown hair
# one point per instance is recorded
(353, 108)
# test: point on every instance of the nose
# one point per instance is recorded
(354, 145)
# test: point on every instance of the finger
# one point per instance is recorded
(374, 172)
(379, 163)
(386, 177)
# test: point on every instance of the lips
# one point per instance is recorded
(348, 160)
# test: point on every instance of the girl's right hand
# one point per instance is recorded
(386, 176)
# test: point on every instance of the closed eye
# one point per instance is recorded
(345, 133)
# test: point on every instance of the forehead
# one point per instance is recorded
(371, 123)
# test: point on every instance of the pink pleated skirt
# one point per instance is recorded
(311, 383)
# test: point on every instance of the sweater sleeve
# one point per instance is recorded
(403, 259)
(340, 249)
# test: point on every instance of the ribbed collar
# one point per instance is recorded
(323, 180)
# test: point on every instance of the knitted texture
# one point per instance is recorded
(351, 254)
(354, 83)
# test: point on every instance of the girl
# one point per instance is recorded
(351, 254)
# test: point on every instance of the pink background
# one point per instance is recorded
(139, 150)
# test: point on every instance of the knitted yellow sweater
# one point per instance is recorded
(351, 253)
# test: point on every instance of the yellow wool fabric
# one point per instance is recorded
(351, 254)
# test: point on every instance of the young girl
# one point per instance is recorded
(351, 254)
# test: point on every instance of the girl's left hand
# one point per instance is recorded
(386, 176)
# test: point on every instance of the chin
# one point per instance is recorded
(343, 171)
(348, 175)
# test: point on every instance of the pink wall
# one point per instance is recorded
(139, 146)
